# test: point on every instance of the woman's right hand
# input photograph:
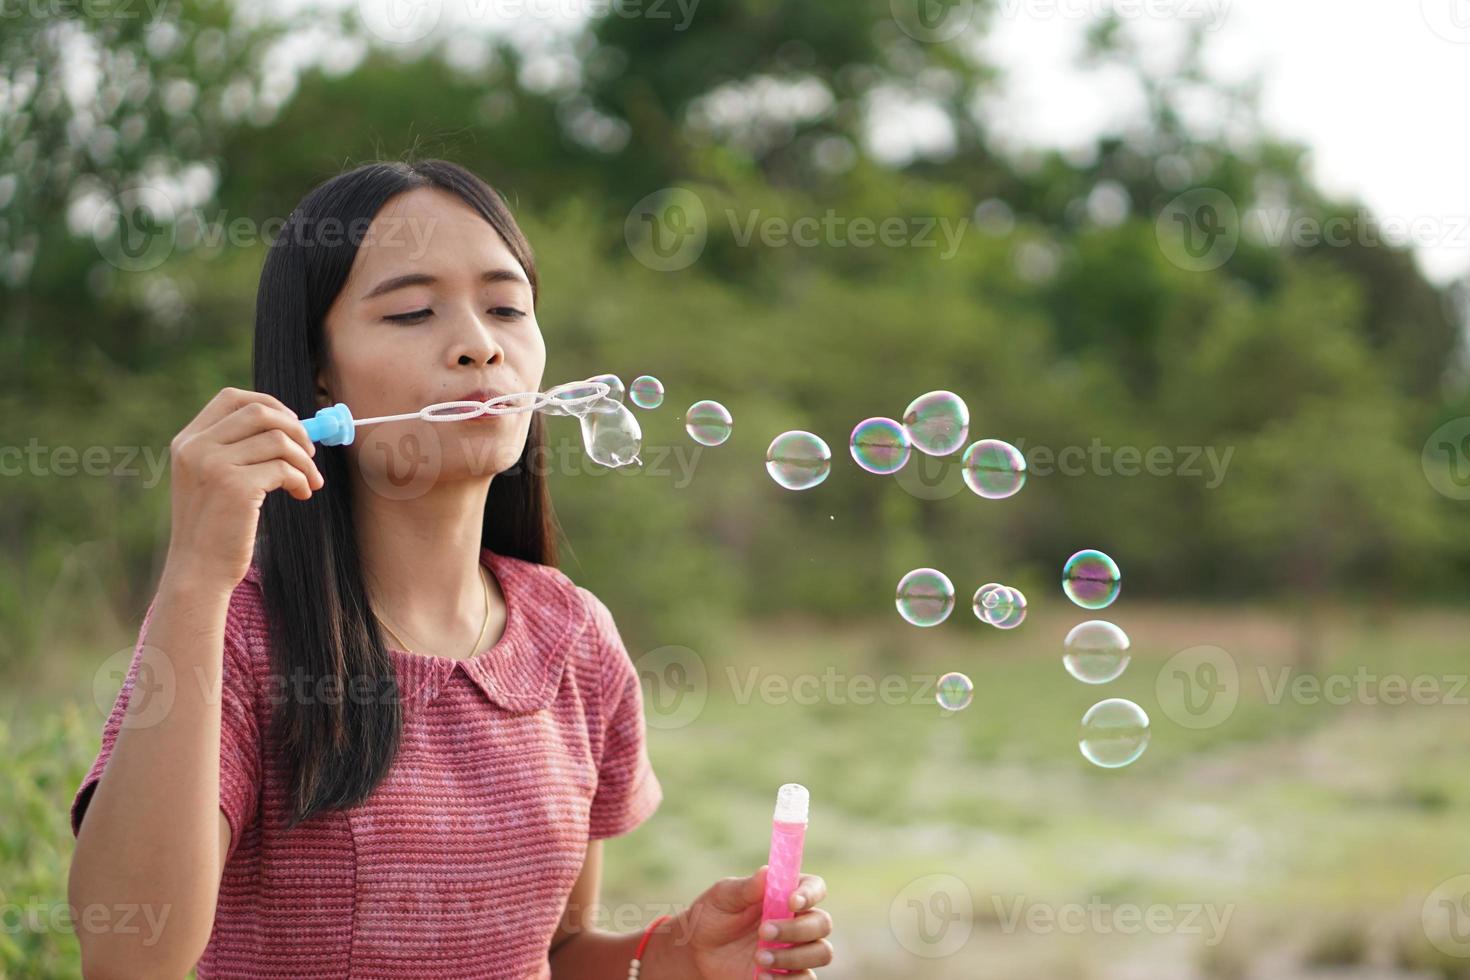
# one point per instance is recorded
(241, 445)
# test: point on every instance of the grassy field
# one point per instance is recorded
(1299, 837)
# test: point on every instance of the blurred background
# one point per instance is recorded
(1202, 261)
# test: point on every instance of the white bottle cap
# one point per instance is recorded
(792, 803)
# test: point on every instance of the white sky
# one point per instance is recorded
(1376, 88)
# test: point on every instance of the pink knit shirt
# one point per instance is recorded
(461, 861)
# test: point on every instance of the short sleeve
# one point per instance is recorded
(628, 792)
(240, 768)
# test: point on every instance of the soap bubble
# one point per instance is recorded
(646, 391)
(798, 460)
(1004, 608)
(993, 469)
(880, 446)
(1095, 652)
(937, 422)
(1091, 579)
(1114, 733)
(614, 384)
(611, 435)
(708, 423)
(955, 691)
(985, 600)
(925, 597)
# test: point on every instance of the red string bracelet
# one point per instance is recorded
(637, 963)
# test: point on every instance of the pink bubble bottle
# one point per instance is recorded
(788, 834)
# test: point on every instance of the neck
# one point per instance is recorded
(421, 556)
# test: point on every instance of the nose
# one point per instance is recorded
(476, 343)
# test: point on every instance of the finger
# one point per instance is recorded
(810, 890)
(227, 401)
(804, 957)
(254, 417)
(274, 444)
(278, 474)
(804, 928)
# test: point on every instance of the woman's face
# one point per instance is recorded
(436, 308)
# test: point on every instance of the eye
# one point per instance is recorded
(509, 312)
(413, 317)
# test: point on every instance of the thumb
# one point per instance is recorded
(738, 894)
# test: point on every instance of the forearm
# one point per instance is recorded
(595, 955)
(150, 835)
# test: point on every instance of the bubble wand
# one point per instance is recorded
(335, 426)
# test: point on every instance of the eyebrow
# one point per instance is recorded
(424, 279)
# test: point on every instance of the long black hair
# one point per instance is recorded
(322, 629)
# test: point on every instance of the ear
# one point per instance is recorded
(323, 392)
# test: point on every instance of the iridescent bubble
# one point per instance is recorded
(993, 469)
(1095, 652)
(611, 435)
(1091, 579)
(708, 423)
(880, 445)
(1005, 608)
(925, 597)
(937, 423)
(646, 391)
(798, 460)
(985, 599)
(1114, 733)
(614, 384)
(955, 692)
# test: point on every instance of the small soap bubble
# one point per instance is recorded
(1114, 733)
(880, 446)
(1004, 608)
(1095, 652)
(611, 435)
(985, 599)
(937, 422)
(646, 391)
(925, 597)
(955, 692)
(993, 469)
(1091, 579)
(708, 423)
(798, 460)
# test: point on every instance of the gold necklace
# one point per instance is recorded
(484, 627)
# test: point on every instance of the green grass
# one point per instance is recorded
(1320, 828)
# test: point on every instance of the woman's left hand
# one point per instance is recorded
(719, 931)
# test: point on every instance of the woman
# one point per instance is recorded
(389, 741)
